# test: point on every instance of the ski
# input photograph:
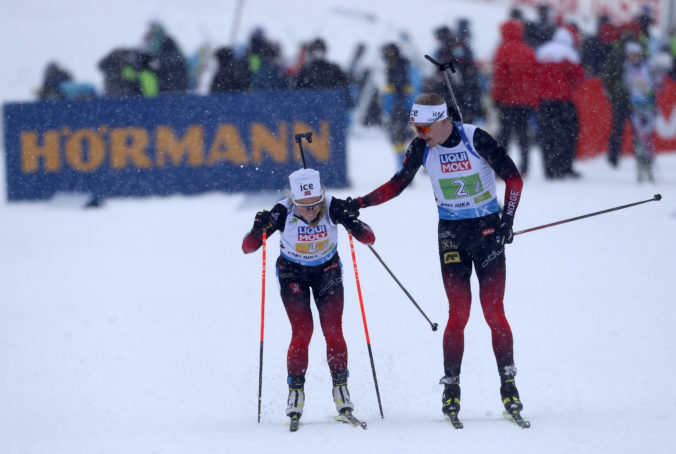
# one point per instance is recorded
(452, 419)
(516, 418)
(295, 421)
(347, 417)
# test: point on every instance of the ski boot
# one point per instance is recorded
(510, 397)
(341, 396)
(508, 391)
(296, 401)
(450, 400)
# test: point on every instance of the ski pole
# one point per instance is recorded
(656, 197)
(366, 329)
(434, 326)
(299, 140)
(444, 68)
(260, 361)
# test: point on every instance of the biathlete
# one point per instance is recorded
(462, 165)
(307, 222)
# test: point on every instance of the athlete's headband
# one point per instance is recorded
(421, 113)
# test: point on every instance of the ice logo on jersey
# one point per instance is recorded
(455, 162)
(312, 233)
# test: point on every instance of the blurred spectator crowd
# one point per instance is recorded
(526, 91)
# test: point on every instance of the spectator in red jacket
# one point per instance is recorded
(559, 73)
(514, 89)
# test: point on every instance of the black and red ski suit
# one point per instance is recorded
(465, 243)
(326, 283)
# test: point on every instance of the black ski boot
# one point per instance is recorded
(450, 400)
(510, 397)
(508, 391)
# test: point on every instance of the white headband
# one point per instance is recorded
(428, 114)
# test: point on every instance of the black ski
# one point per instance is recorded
(452, 418)
(516, 418)
(295, 420)
(347, 417)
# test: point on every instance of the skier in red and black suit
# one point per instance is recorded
(308, 224)
(462, 165)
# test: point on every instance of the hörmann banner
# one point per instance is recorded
(176, 144)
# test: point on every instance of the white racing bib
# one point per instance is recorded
(308, 245)
(463, 182)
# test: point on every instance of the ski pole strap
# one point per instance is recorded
(465, 140)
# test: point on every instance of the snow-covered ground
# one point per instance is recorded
(134, 328)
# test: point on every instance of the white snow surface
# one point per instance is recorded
(135, 328)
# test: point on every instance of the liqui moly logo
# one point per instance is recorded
(454, 162)
(312, 233)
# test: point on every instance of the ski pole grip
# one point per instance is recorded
(299, 140)
(657, 197)
(441, 66)
(305, 135)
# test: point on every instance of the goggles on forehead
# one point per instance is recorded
(310, 205)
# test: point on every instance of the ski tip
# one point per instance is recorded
(452, 418)
(294, 423)
(516, 418)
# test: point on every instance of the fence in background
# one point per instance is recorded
(183, 144)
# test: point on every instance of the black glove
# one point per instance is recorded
(353, 204)
(262, 221)
(348, 216)
(503, 233)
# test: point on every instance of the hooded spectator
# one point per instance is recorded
(318, 72)
(172, 69)
(595, 49)
(514, 87)
(612, 76)
(232, 74)
(540, 31)
(270, 74)
(467, 77)
(129, 72)
(397, 98)
(559, 74)
(52, 86)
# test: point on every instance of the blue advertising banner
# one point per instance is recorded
(175, 144)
